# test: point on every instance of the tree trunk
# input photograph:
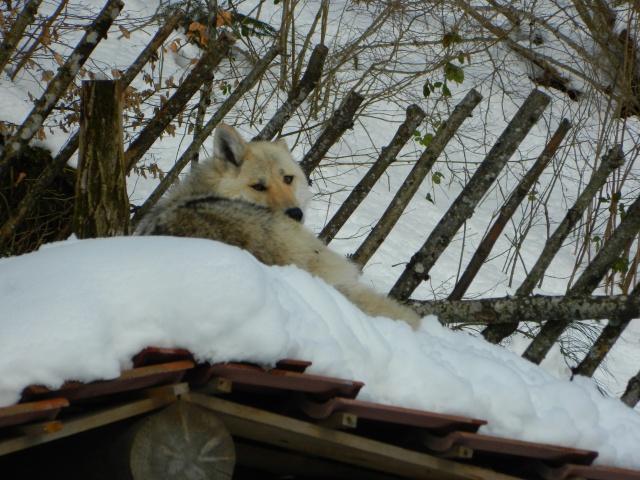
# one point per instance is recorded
(102, 205)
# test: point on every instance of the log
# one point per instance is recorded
(182, 442)
(102, 204)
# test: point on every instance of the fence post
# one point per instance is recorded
(102, 205)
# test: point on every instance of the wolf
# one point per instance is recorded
(253, 195)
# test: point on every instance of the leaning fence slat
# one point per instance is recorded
(612, 160)
(27, 204)
(413, 181)
(507, 211)
(245, 85)
(59, 84)
(415, 115)
(340, 121)
(534, 308)
(203, 70)
(462, 208)
(588, 281)
(13, 37)
(298, 95)
(618, 322)
(631, 395)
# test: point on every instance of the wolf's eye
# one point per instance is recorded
(259, 187)
(288, 179)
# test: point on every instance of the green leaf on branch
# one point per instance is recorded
(454, 73)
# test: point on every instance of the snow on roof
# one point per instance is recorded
(80, 310)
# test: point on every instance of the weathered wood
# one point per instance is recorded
(413, 181)
(508, 209)
(415, 115)
(25, 207)
(462, 208)
(171, 176)
(291, 434)
(182, 441)
(631, 395)
(340, 121)
(13, 37)
(59, 84)
(618, 322)
(538, 308)
(611, 161)
(204, 69)
(163, 396)
(102, 205)
(298, 95)
(588, 281)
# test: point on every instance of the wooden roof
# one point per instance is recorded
(287, 422)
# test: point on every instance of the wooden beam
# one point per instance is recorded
(96, 419)
(270, 428)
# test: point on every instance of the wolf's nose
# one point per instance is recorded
(295, 213)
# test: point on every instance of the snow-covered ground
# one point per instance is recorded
(80, 310)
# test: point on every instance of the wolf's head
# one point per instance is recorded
(263, 173)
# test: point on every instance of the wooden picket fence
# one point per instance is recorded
(501, 315)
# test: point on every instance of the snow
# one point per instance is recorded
(80, 310)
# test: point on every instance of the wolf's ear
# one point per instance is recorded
(228, 145)
(282, 144)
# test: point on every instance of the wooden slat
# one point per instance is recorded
(291, 434)
(31, 412)
(253, 375)
(485, 443)
(137, 378)
(384, 413)
(97, 418)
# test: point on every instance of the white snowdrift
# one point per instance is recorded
(79, 310)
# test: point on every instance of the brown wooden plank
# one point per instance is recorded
(488, 444)
(32, 411)
(384, 413)
(253, 375)
(593, 472)
(156, 355)
(137, 378)
(97, 418)
(265, 427)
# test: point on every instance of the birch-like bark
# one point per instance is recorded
(588, 281)
(507, 211)
(245, 85)
(59, 84)
(415, 115)
(298, 95)
(413, 181)
(26, 205)
(340, 121)
(203, 70)
(614, 159)
(25, 17)
(462, 208)
(536, 308)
